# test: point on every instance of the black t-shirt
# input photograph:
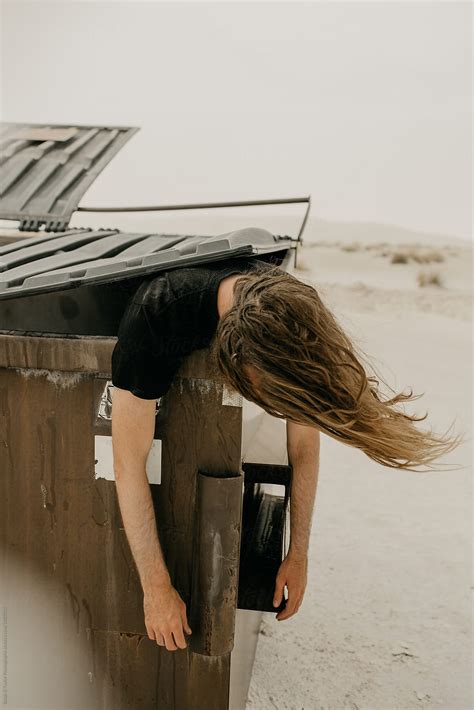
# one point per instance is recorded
(168, 317)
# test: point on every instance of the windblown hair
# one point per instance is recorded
(309, 371)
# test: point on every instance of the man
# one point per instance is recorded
(167, 318)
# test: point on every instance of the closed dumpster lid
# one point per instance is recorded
(46, 169)
(83, 257)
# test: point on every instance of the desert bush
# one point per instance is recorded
(429, 278)
(426, 256)
(417, 255)
(399, 257)
(434, 255)
(376, 246)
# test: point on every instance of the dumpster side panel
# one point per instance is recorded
(59, 522)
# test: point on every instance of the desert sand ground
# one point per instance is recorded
(386, 619)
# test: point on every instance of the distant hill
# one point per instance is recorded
(371, 232)
(221, 222)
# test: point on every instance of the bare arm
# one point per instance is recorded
(133, 423)
(303, 444)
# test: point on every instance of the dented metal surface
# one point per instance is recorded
(215, 562)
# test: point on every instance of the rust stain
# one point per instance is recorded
(89, 635)
(105, 511)
(75, 606)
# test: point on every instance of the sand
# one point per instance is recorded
(386, 619)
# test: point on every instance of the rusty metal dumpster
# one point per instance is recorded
(70, 594)
(60, 514)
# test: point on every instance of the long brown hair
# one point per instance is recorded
(311, 372)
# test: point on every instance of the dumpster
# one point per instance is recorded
(62, 295)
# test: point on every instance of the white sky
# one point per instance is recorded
(365, 105)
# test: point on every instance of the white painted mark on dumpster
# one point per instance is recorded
(230, 397)
(44, 494)
(199, 384)
(105, 403)
(104, 460)
(65, 380)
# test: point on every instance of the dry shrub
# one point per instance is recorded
(434, 255)
(429, 278)
(426, 257)
(376, 246)
(417, 255)
(399, 257)
(355, 246)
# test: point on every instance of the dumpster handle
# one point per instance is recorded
(212, 205)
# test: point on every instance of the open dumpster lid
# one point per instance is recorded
(46, 169)
(83, 257)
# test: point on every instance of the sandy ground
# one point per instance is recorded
(386, 619)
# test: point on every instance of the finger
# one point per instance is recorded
(289, 609)
(179, 637)
(293, 606)
(159, 639)
(186, 626)
(169, 641)
(286, 614)
(278, 595)
(151, 633)
(296, 608)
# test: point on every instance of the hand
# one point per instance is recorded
(293, 573)
(165, 617)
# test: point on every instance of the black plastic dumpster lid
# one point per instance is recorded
(46, 169)
(52, 262)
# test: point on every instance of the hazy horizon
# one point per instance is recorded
(366, 106)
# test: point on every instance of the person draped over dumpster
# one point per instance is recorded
(276, 343)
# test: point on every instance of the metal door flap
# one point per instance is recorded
(53, 262)
(46, 169)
